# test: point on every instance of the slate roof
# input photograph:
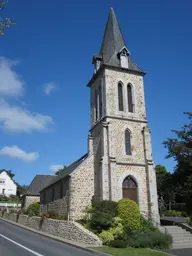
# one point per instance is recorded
(38, 183)
(67, 171)
(113, 42)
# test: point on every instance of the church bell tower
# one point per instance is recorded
(123, 164)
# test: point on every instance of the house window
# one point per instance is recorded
(120, 96)
(127, 142)
(130, 98)
(3, 191)
(2, 182)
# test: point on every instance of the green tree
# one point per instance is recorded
(4, 22)
(21, 189)
(59, 172)
(161, 174)
(180, 149)
(11, 175)
(165, 186)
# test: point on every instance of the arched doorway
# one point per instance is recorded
(130, 190)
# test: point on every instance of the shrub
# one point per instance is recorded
(189, 221)
(100, 221)
(12, 210)
(109, 207)
(128, 211)
(174, 213)
(56, 216)
(152, 240)
(117, 243)
(106, 237)
(117, 229)
(147, 225)
(53, 215)
(33, 209)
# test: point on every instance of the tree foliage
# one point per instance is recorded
(4, 22)
(180, 149)
(165, 186)
(59, 172)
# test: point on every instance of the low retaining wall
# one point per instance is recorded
(67, 229)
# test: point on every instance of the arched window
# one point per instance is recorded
(96, 108)
(130, 189)
(100, 102)
(130, 98)
(127, 142)
(120, 96)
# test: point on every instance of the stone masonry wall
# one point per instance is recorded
(112, 78)
(66, 229)
(117, 140)
(140, 176)
(81, 189)
(30, 200)
(59, 206)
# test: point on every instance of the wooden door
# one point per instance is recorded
(130, 189)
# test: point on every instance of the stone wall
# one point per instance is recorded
(112, 78)
(65, 229)
(30, 200)
(81, 188)
(59, 206)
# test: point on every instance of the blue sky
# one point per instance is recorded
(46, 63)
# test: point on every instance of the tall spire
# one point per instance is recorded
(113, 43)
(113, 40)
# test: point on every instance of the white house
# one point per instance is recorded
(7, 185)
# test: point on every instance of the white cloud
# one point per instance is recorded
(55, 167)
(17, 153)
(48, 88)
(17, 119)
(10, 83)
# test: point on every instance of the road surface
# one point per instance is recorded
(15, 241)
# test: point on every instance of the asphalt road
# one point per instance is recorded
(15, 241)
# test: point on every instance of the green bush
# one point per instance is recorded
(106, 237)
(117, 243)
(33, 209)
(100, 221)
(128, 211)
(53, 215)
(109, 207)
(147, 225)
(189, 221)
(56, 216)
(152, 240)
(12, 210)
(174, 213)
(117, 229)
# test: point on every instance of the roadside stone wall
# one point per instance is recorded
(66, 229)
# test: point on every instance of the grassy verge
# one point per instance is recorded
(128, 251)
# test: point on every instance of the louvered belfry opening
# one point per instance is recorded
(130, 189)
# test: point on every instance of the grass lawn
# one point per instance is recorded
(128, 251)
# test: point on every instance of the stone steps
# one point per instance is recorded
(181, 237)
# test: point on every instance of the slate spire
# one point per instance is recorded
(113, 40)
(113, 43)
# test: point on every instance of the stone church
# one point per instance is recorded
(119, 161)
